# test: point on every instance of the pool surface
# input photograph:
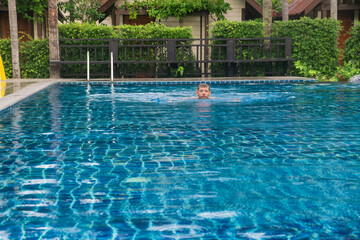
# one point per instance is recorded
(273, 161)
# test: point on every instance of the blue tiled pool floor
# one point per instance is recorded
(150, 162)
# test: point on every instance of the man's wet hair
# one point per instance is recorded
(203, 85)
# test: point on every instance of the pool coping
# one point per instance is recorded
(39, 84)
(10, 100)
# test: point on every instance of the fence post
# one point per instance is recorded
(171, 54)
(287, 55)
(230, 58)
(113, 48)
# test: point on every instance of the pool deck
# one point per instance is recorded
(20, 89)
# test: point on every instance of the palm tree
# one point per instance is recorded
(285, 10)
(14, 39)
(54, 39)
(267, 17)
(333, 9)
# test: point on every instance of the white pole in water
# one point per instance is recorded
(112, 67)
(88, 65)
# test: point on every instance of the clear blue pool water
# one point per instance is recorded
(149, 162)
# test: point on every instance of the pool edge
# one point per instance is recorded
(10, 100)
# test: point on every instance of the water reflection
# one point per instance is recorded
(8, 88)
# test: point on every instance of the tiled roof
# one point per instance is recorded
(298, 6)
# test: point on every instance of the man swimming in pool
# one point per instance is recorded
(203, 91)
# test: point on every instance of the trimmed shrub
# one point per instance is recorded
(85, 30)
(314, 42)
(352, 46)
(149, 31)
(33, 57)
(233, 29)
(5, 52)
(314, 45)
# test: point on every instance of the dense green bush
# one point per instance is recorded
(351, 64)
(139, 53)
(314, 45)
(34, 60)
(33, 56)
(149, 31)
(352, 45)
(5, 52)
(314, 42)
(233, 29)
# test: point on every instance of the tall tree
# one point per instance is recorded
(267, 17)
(14, 39)
(285, 10)
(333, 9)
(54, 39)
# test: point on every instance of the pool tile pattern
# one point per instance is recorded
(126, 162)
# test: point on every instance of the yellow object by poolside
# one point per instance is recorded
(2, 79)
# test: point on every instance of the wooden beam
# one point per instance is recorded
(342, 7)
(255, 5)
(106, 6)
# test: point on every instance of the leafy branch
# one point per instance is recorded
(163, 9)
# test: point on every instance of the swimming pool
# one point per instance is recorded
(275, 161)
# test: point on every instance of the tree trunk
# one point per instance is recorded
(14, 39)
(54, 39)
(267, 17)
(285, 10)
(333, 9)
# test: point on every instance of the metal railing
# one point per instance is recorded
(174, 57)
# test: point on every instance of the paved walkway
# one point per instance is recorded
(19, 89)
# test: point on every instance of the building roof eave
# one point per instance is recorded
(255, 5)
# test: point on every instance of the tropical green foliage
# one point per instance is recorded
(34, 61)
(352, 45)
(314, 42)
(351, 66)
(347, 71)
(5, 52)
(139, 53)
(314, 45)
(233, 29)
(162, 9)
(30, 9)
(85, 30)
(149, 31)
(34, 58)
(81, 10)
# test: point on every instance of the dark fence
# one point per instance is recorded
(175, 57)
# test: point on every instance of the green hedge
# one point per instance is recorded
(314, 45)
(352, 46)
(233, 29)
(351, 59)
(149, 31)
(314, 42)
(34, 54)
(34, 58)
(5, 52)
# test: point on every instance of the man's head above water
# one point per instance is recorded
(203, 91)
